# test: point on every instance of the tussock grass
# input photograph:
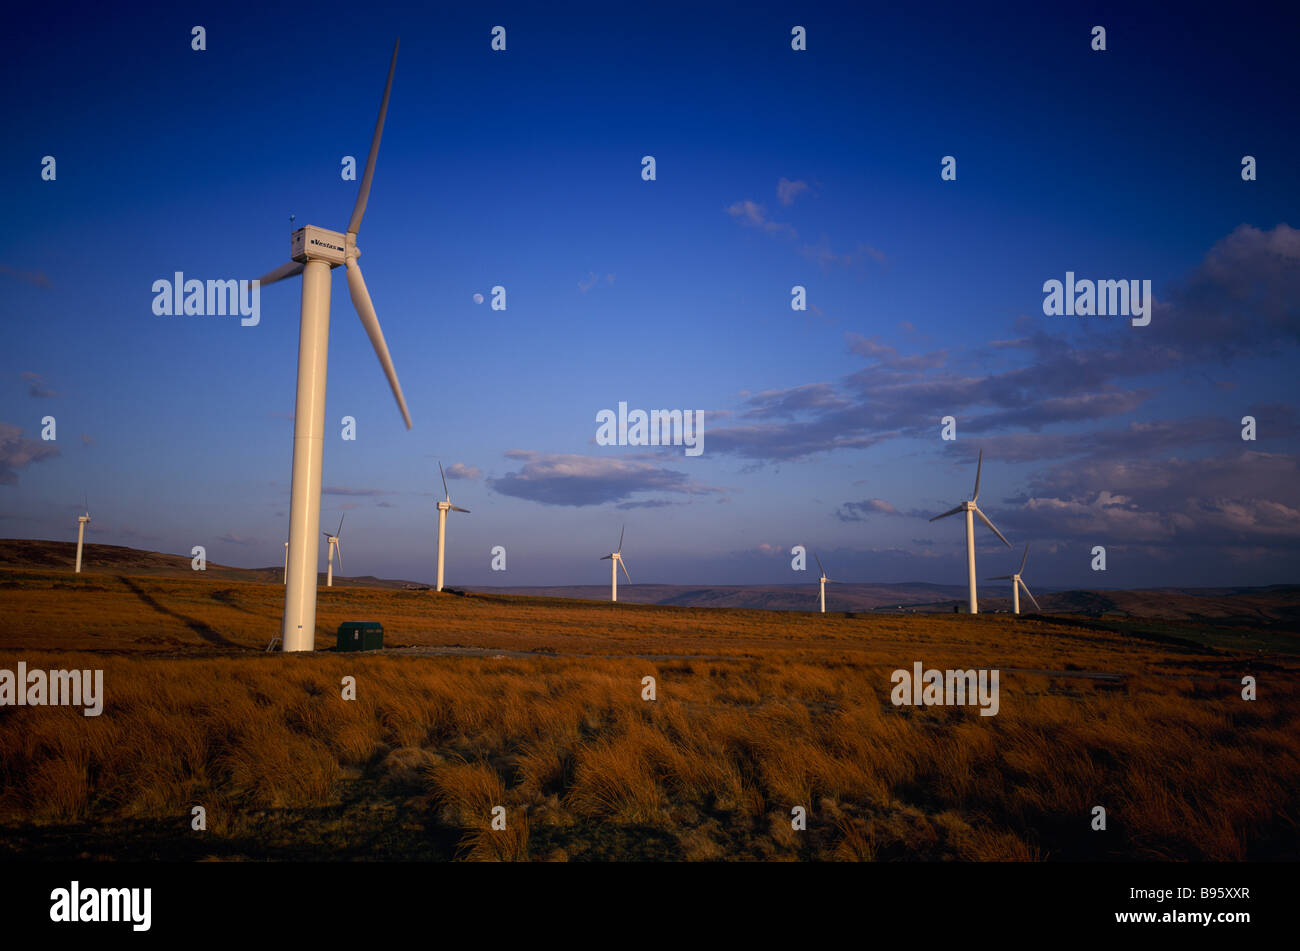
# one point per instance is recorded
(757, 713)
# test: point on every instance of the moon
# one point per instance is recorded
(478, 298)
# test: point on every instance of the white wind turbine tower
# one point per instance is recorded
(615, 563)
(972, 509)
(444, 507)
(81, 535)
(1017, 584)
(315, 252)
(823, 582)
(334, 546)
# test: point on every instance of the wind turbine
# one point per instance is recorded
(334, 545)
(823, 581)
(286, 562)
(315, 252)
(81, 535)
(615, 563)
(1017, 584)
(972, 509)
(444, 507)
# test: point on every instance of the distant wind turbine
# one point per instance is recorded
(1017, 584)
(444, 507)
(615, 563)
(315, 252)
(81, 534)
(286, 562)
(334, 546)
(823, 582)
(972, 509)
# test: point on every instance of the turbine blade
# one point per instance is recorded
(978, 466)
(605, 557)
(946, 514)
(985, 519)
(624, 567)
(366, 311)
(620, 537)
(1024, 559)
(364, 194)
(445, 492)
(457, 508)
(819, 564)
(291, 269)
(1000, 578)
(339, 549)
(341, 518)
(1031, 597)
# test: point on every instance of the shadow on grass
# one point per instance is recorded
(204, 631)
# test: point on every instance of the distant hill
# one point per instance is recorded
(1279, 602)
(1269, 605)
(774, 597)
(39, 553)
(1265, 604)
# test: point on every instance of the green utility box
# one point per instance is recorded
(360, 636)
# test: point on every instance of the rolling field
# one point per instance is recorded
(535, 705)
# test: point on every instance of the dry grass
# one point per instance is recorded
(757, 713)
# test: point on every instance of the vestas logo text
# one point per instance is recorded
(325, 244)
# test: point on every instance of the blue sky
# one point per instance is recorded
(522, 169)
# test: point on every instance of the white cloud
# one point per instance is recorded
(788, 191)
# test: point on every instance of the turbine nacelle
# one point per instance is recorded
(823, 579)
(617, 560)
(312, 243)
(445, 505)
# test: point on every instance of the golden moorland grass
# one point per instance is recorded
(756, 713)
